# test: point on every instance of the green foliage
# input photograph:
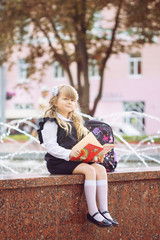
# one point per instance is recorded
(138, 138)
(19, 137)
(130, 139)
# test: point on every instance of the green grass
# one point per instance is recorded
(137, 138)
(22, 137)
(19, 137)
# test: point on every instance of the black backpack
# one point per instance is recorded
(104, 134)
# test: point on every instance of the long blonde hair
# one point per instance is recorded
(77, 120)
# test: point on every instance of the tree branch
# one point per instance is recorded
(57, 56)
(65, 55)
(105, 59)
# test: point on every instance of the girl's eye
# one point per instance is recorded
(68, 99)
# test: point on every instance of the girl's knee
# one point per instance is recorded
(87, 170)
(100, 170)
(99, 167)
(90, 171)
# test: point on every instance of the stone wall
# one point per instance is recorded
(35, 207)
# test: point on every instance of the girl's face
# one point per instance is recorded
(65, 105)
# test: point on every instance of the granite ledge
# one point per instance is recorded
(38, 180)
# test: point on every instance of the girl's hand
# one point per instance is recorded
(74, 153)
(100, 158)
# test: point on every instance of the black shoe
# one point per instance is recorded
(114, 222)
(104, 223)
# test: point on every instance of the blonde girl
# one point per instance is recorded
(61, 128)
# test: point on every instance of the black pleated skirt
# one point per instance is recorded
(60, 166)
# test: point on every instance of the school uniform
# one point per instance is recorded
(58, 145)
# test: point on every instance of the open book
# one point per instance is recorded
(90, 147)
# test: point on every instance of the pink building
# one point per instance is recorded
(132, 83)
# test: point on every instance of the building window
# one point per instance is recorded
(135, 120)
(135, 62)
(93, 68)
(24, 106)
(23, 68)
(58, 71)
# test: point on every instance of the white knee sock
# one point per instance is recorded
(102, 196)
(90, 193)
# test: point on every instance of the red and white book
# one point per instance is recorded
(90, 147)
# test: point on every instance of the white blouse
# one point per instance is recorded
(49, 134)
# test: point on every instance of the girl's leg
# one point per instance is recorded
(101, 187)
(89, 188)
(102, 190)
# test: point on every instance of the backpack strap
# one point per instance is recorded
(41, 123)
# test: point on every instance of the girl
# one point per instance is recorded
(60, 130)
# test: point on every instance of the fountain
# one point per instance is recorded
(145, 152)
(18, 157)
(28, 156)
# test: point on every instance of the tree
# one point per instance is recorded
(66, 32)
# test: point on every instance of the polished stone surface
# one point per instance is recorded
(35, 207)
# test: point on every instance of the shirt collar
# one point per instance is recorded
(63, 118)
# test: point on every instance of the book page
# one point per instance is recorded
(106, 148)
(90, 138)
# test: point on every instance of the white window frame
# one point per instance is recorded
(135, 61)
(58, 71)
(93, 69)
(138, 107)
(22, 68)
(26, 106)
